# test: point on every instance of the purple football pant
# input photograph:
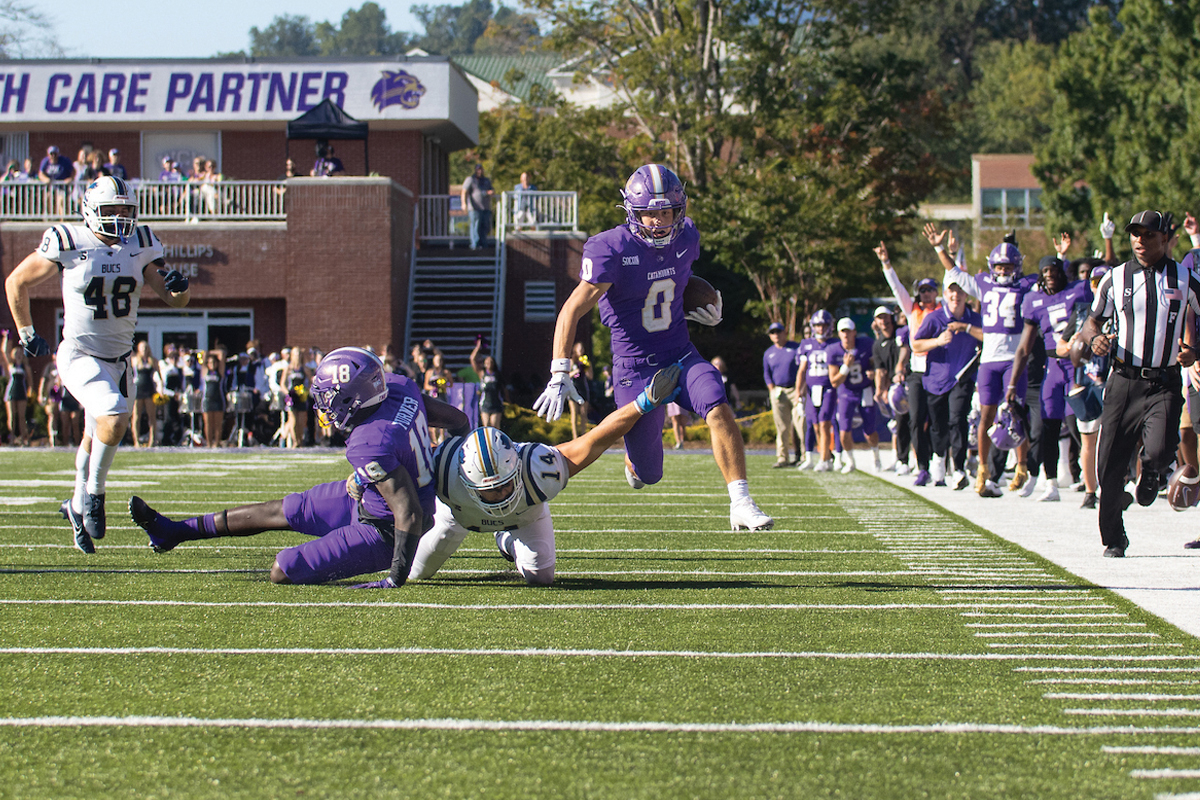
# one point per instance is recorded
(824, 412)
(993, 383)
(702, 392)
(344, 548)
(1054, 389)
(849, 405)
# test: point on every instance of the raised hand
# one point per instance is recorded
(933, 235)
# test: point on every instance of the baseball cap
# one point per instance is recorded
(1099, 272)
(883, 311)
(1048, 261)
(927, 283)
(846, 324)
(775, 327)
(114, 152)
(52, 149)
(1150, 220)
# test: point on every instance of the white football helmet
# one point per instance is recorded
(488, 463)
(100, 203)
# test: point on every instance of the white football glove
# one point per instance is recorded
(709, 315)
(1107, 227)
(550, 404)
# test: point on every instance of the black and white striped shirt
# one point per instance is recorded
(1149, 304)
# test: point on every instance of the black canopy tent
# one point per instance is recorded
(327, 120)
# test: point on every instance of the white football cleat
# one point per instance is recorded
(745, 514)
(902, 468)
(1029, 486)
(809, 462)
(1050, 494)
(848, 464)
(632, 479)
(824, 466)
(937, 470)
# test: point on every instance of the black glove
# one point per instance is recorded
(174, 281)
(36, 346)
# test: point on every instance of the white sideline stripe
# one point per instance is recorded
(503, 606)
(1053, 625)
(1046, 616)
(1165, 773)
(954, 728)
(1087, 646)
(1067, 634)
(1109, 682)
(1118, 696)
(1118, 670)
(561, 653)
(1151, 749)
(1184, 796)
(1134, 712)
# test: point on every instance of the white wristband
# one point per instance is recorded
(560, 365)
(1195, 237)
(845, 370)
(25, 334)
(937, 248)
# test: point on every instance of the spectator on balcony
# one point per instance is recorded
(167, 174)
(327, 164)
(208, 179)
(524, 214)
(13, 172)
(115, 167)
(80, 167)
(57, 172)
(96, 167)
(476, 197)
(28, 171)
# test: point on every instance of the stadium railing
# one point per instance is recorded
(157, 200)
(441, 217)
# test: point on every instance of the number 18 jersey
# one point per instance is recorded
(101, 285)
(644, 305)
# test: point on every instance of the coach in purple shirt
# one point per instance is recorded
(950, 338)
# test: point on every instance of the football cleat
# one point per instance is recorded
(824, 466)
(990, 489)
(1089, 500)
(903, 468)
(83, 542)
(961, 480)
(1050, 494)
(93, 515)
(633, 480)
(922, 478)
(937, 470)
(151, 522)
(1030, 485)
(504, 545)
(848, 465)
(809, 462)
(745, 514)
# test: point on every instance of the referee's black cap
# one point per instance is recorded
(1150, 220)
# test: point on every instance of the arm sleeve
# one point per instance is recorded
(898, 290)
(964, 279)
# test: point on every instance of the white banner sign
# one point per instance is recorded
(216, 91)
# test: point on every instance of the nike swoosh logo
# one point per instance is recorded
(681, 254)
(138, 253)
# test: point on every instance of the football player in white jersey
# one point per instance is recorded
(486, 482)
(103, 265)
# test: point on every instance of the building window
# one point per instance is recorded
(1011, 208)
(540, 304)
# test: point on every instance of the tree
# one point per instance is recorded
(26, 33)
(364, 32)
(509, 33)
(286, 36)
(1126, 124)
(1012, 99)
(453, 30)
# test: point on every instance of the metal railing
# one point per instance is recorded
(157, 200)
(443, 219)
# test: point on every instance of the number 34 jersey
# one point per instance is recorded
(101, 285)
(1000, 307)
(543, 475)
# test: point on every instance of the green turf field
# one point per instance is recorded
(870, 646)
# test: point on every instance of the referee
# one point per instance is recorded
(1150, 297)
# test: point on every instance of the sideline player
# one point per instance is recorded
(383, 416)
(854, 382)
(812, 386)
(486, 482)
(511, 502)
(637, 273)
(103, 264)
(1000, 291)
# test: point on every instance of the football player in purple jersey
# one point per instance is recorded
(384, 419)
(1000, 291)
(812, 384)
(1046, 311)
(636, 274)
(854, 382)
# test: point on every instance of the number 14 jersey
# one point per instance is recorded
(101, 285)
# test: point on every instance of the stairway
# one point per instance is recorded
(454, 295)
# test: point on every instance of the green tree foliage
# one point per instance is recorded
(364, 32)
(26, 33)
(509, 32)
(1126, 123)
(453, 30)
(1012, 99)
(286, 36)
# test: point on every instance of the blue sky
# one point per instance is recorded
(145, 29)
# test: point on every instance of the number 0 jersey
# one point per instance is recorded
(101, 285)
(543, 473)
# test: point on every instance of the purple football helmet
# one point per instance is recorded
(1005, 253)
(821, 317)
(1007, 432)
(654, 188)
(898, 398)
(348, 381)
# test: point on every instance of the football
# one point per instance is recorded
(698, 294)
(1183, 491)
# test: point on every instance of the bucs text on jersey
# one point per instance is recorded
(543, 475)
(101, 285)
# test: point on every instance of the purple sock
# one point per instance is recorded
(195, 528)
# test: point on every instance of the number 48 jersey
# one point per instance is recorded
(543, 473)
(101, 285)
